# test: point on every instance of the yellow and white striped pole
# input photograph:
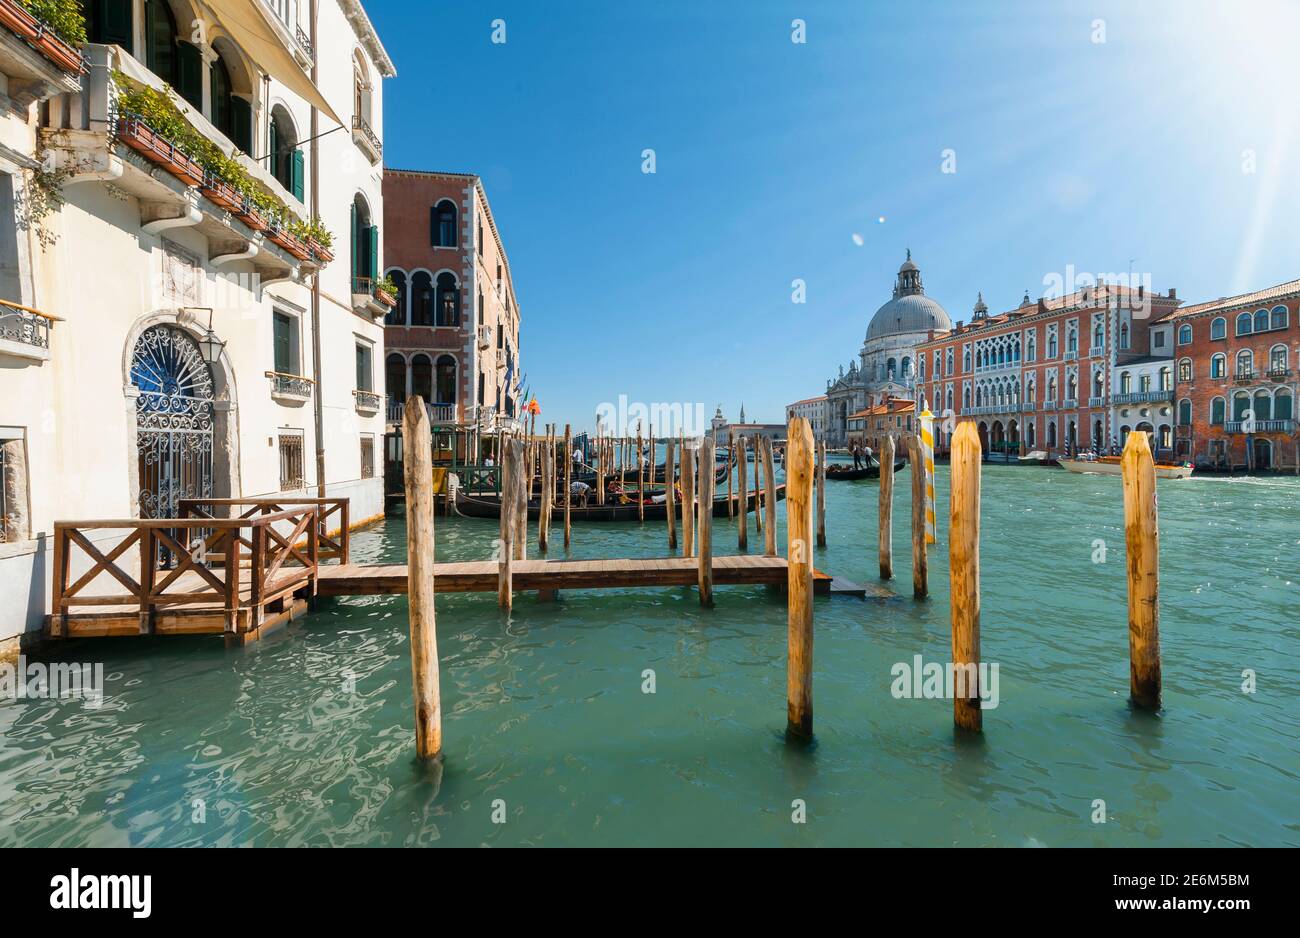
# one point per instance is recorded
(927, 458)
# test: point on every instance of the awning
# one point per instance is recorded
(249, 24)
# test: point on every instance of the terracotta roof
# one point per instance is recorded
(895, 405)
(1244, 299)
(807, 400)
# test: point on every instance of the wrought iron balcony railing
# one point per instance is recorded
(365, 137)
(1097, 351)
(305, 42)
(368, 402)
(1260, 426)
(1097, 401)
(290, 388)
(25, 332)
(1069, 403)
(1142, 397)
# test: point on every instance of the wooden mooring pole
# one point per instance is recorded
(821, 493)
(688, 501)
(670, 493)
(769, 497)
(758, 488)
(640, 480)
(920, 553)
(886, 515)
(799, 583)
(705, 539)
(1142, 545)
(418, 465)
(568, 483)
(548, 494)
(731, 470)
(511, 468)
(742, 536)
(964, 576)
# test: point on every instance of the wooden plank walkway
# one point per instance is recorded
(481, 576)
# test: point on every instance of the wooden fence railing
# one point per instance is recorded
(272, 556)
(331, 548)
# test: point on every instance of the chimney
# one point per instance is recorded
(1173, 294)
(1042, 305)
(957, 327)
(1141, 290)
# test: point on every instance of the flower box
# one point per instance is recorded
(140, 137)
(291, 243)
(60, 53)
(323, 254)
(385, 297)
(19, 20)
(249, 214)
(223, 194)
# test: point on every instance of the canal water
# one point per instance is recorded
(551, 740)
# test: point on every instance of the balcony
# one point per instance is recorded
(1097, 401)
(1049, 405)
(24, 332)
(439, 414)
(1097, 351)
(93, 139)
(1070, 403)
(1142, 397)
(366, 139)
(367, 402)
(1245, 377)
(368, 299)
(1261, 426)
(1279, 374)
(290, 390)
(37, 63)
(1072, 355)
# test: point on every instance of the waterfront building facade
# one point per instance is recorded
(176, 324)
(1236, 362)
(1041, 376)
(814, 410)
(453, 336)
(886, 366)
(894, 417)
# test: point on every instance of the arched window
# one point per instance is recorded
(1030, 391)
(443, 224)
(965, 399)
(1144, 383)
(1278, 318)
(448, 300)
(365, 247)
(1261, 320)
(1051, 345)
(286, 158)
(1051, 434)
(1219, 328)
(1244, 364)
(1051, 388)
(422, 304)
(1217, 408)
(907, 367)
(397, 316)
(1123, 335)
(1029, 434)
(948, 398)
(889, 368)
(1184, 371)
(220, 92)
(160, 41)
(1277, 362)
(1072, 340)
(1240, 404)
(1098, 385)
(1166, 378)
(1184, 413)
(1032, 348)
(395, 378)
(446, 380)
(1125, 382)
(965, 361)
(422, 377)
(1282, 409)
(1071, 388)
(361, 87)
(1243, 324)
(1219, 366)
(1185, 334)
(1263, 405)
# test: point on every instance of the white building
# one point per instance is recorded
(814, 410)
(201, 348)
(1142, 395)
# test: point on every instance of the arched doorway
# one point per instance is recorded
(1013, 436)
(175, 420)
(984, 436)
(1263, 454)
(997, 439)
(1097, 434)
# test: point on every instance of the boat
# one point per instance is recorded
(1110, 466)
(588, 475)
(843, 473)
(1036, 458)
(489, 506)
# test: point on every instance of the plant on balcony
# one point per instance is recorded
(386, 291)
(52, 27)
(319, 239)
(65, 18)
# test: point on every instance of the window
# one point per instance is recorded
(360, 88)
(1185, 371)
(1125, 382)
(1219, 366)
(1166, 379)
(365, 247)
(1051, 344)
(448, 300)
(1051, 388)
(1158, 339)
(1263, 405)
(291, 461)
(422, 377)
(395, 377)
(1144, 383)
(1219, 329)
(480, 238)
(422, 301)
(284, 329)
(442, 223)
(1282, 405)
(1123, 336)
(1277, 361)
(397, 315)
(1245, 364)
(446, 380)
(286, 158)
(160, 40)
(965, 361)
(365, 368)
(109, 22)
(367, 455)
(1261, 320)
(1098, 335)
(1243, 324)
(1184, 413)
(1240, 404)
(1072, 340)
(1278, 318)
(1217, 408)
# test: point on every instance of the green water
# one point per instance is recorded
(545, 715)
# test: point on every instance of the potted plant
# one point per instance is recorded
(319, 239)
(19, 20)
(222, 193)
(386, 291)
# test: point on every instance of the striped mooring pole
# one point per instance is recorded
(927, 456)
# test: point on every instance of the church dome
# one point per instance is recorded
(910, 310)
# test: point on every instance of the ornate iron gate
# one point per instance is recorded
(174, 421)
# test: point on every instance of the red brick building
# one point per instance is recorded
(893, 417)
(1044, 376)
(453, 337)
(1237, 361)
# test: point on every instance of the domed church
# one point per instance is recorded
(886, 366)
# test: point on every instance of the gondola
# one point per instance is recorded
(489, 506)
(589, 475)
(848, 473)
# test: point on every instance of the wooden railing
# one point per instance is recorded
(331, 548)
(219, 552)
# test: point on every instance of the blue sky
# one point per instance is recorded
(771, 156)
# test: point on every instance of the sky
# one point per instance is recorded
(1157, 137)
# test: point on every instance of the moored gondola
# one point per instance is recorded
(842, 473)
(489, 506)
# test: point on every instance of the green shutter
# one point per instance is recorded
(273, 147)
(241, 124)
(189, 73)
(433, 226)
(356, 244)
(374, 252)
(299, 169)
(112, 24)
